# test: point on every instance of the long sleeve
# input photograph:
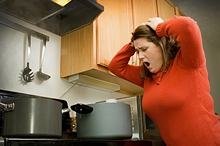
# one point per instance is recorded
(120, 67)
(186, 31)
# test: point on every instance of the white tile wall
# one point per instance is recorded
(12, 61)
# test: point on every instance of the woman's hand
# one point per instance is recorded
(153, 22)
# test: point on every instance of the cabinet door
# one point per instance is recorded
(166, 9)
(114, 27)
(142, 10)
(77, 53)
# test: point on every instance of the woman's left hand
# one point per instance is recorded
(153, 22)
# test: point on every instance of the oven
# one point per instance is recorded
(142, 126)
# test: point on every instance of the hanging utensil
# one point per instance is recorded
(42, 76)
(27, 73)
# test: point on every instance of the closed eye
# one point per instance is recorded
(144, 49)
(141, 49)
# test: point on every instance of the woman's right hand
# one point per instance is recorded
(153, 22)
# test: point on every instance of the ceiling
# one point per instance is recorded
(207, 14)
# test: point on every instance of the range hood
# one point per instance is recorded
(52, 17)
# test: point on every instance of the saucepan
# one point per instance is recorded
(32, 117)
(103, 120)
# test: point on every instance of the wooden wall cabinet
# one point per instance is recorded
(88, 50)
(142, 10)
(114, 27)
(166, 9)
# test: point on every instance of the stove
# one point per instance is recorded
(71, 142)
(67, 139)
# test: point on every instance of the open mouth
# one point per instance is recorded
(147, 64)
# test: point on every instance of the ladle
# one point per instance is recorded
(42, 76)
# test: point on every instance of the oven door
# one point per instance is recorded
(136, 115)
(150, 131)
(143, 127)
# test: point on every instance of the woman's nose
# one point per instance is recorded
(140, 55)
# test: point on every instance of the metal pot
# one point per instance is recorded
(103, 121)
(32, 117)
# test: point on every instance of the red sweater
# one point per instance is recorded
(178, 101)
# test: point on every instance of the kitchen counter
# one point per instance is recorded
(74, 142)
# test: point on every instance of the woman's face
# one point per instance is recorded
(149, 54)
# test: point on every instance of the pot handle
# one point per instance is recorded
(65, 110)
(82, 108)
(7, 107)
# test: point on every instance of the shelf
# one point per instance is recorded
(23, 29)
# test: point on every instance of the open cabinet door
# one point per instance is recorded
(114, 27)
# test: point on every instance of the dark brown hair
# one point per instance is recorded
(168, 45)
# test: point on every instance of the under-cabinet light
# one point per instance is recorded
(87, 81)
(61, 2)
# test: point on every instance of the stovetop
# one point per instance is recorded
(66, 141)
(72, 142)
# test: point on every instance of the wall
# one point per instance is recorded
(213, 59)
(13, 60)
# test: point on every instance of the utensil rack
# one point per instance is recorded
(23, 29)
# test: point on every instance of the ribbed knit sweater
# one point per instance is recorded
(179, 100)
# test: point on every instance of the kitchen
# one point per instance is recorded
(13, 61)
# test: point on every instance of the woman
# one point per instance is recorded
(175, 80)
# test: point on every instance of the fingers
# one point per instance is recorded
(153, 22)
(149, 20)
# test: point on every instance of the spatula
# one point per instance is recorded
(27, 73)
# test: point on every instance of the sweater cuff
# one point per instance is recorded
(131, 44)
(132, 47)
(159, 30)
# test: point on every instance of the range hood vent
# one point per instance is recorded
(52, 17)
